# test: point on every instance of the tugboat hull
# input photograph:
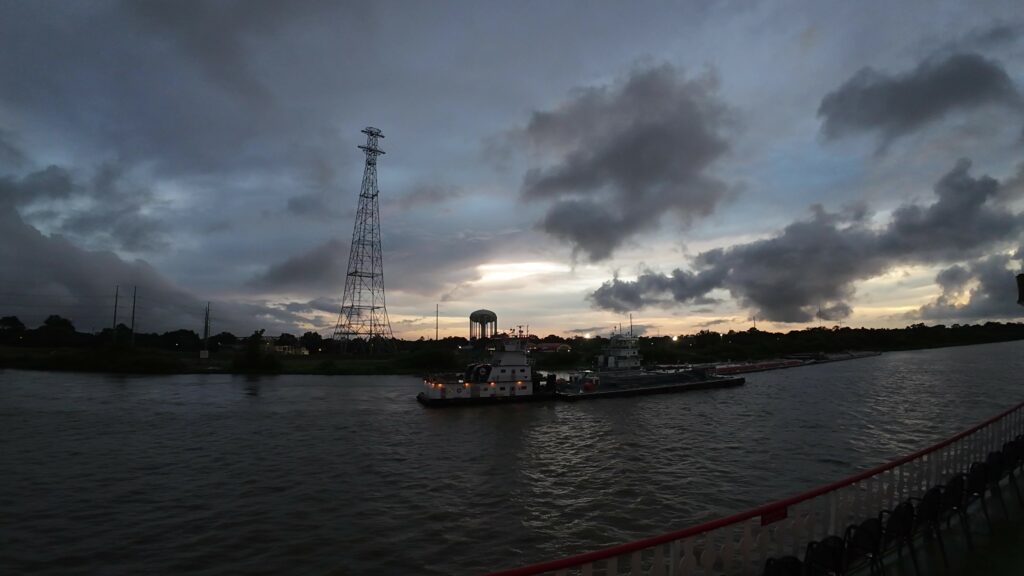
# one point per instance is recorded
(481, 401)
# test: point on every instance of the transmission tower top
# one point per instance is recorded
(371, 148)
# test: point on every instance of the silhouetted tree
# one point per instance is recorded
(12, 331)
(254, 356)
(312, 341)
(56, 331)
(11, 324)
(286, 339)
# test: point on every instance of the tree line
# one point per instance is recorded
(702, 346)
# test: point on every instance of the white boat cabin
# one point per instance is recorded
(620, 354)
(507, 373)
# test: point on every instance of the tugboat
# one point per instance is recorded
(506, 377)
(620, 366)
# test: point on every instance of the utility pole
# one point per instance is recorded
(206, 334)
(113, 332)
(135, 289)
(437, 315)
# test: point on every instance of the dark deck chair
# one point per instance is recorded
(928, 517)
(977, 484)
(954, 496)
(996, 465)
(825, 557)
(864, 543)
(898, 529)
(1012, 458)
(784, 566)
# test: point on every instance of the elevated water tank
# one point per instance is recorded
(482, 324)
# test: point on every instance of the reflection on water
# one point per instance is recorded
(215, 474)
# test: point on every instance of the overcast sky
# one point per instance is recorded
(564, 164)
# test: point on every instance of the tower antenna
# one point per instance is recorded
(363, 310)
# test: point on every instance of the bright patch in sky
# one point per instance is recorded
(496, 273)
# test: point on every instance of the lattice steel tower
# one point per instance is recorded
(363, 310)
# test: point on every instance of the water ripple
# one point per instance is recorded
(216, 474)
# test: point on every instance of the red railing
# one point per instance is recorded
(894, 481)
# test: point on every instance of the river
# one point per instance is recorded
(219, 474)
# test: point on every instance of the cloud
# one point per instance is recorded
(319, 269)
(993, 36)
(314, 205)
(214, 36)
(623, 155)
(895, 105)
(715, 322)
(10, 155)
(960, 224)
(427, 195)
(107, 211)
(50, 183)
(591, 330)
(810, 268)
(993, 295)
(79, 284)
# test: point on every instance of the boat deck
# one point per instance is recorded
(998, 549)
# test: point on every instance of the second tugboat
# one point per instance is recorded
(619, 368)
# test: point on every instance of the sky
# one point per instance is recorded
(568, 165)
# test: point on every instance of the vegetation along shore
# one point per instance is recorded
(57, 345)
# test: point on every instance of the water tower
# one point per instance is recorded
(482, 324)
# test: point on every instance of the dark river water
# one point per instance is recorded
(214, 474)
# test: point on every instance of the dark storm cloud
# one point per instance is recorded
(79, 284)
(953, 279)
(321, 268)
(963, 222)
(50, 183)
(314, 205)
(994, 295)
(428, 195)
(895, 105)
(996, 35)
(315, 305)
(119, 211)
(623, 155)
(681, 285)
(810, 268)
(215, 35)
(11, 156)
(108, 211)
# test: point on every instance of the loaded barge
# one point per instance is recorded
(509, 378)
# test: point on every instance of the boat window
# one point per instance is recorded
(502, 370)
(502, 388)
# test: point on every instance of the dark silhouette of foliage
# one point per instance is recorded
(312, 342)
(255, 357)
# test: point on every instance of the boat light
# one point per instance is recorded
(466, 384)
(492, 383)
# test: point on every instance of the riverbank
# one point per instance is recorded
(125, 360)
(148, 361)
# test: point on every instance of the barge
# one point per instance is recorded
(508, 378)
